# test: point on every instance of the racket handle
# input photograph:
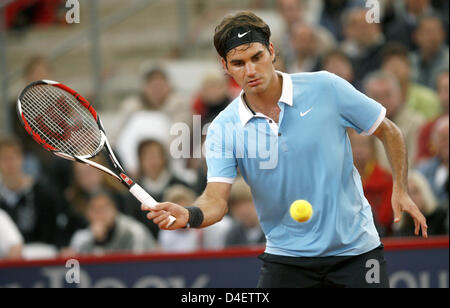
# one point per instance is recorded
(147, 200)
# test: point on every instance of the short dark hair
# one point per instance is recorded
(395, 50)
(103, 192)
(336, 52)
(429, 16)
(147, 143)
(243, 19)
(155, 72)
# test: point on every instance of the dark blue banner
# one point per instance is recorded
(408, 266)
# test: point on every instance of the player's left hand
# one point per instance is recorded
(401, 202)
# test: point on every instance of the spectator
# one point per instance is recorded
(245, 229)
(27, 201)
(423, 197)
(432, 55)
(306, 49)
(157, 94)
(36, 68)
(158, 104)
(212, 98)
(424, 150)
(184, 240)
(418, 97)
(88, 181)
(154, 173)
(363, 42)
(401, 28)
(37, 162)
(109, 231)
(384, 88)
(295, 13)
(11, 241)
(291, 12)
(377, 182)
(435, 169)
(155, 176)
(335, 61)
(331, 17)
(443, 8)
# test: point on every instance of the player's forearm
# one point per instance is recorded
(213, 208)
(395, 148)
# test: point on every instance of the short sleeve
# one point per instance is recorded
(220, 158)
(356, 110)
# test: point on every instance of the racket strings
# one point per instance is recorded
(61, 120)
(67, 115)
(55, 130)
(60, 135)
(58, 132)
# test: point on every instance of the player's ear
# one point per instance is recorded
(272, 52)
(225, 65)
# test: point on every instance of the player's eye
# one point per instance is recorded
(256, 58)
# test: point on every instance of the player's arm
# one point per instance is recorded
(212, 204)
(395, 147)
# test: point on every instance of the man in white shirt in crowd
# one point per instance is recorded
(11, 241)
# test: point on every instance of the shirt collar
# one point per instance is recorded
(246, 114)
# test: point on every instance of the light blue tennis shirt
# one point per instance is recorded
(306, 155)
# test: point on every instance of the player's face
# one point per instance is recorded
(251, 66)
(10, 162)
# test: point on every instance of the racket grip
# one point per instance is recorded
(147, 200)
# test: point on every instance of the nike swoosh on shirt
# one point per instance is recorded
(302, 114)
(241, 35)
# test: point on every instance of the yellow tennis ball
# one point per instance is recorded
(301, 210)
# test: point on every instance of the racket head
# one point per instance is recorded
(60, 120)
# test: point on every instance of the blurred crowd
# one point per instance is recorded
(53, 207)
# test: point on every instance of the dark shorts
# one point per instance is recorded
(363, 271)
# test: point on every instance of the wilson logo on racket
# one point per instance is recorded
(51, 116)
(126, 179)
(65, 127)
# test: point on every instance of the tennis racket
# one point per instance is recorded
(66, 124)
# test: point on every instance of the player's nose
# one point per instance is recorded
(250, 69)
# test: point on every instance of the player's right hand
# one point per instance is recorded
(160, 215)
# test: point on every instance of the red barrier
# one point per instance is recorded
(390, 244)
(407, 243)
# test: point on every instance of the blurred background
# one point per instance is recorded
(148, 64)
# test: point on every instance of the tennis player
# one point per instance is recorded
(304, 117)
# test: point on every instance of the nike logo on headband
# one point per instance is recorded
(241, 35)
